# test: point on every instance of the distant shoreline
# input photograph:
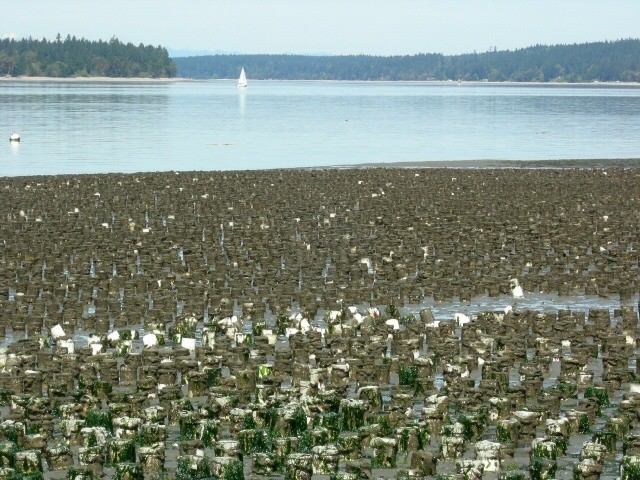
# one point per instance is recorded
(436, 82)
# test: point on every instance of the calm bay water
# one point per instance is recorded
(89, 127)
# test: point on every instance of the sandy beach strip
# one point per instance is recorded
(24, 79)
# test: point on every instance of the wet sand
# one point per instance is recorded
(482, 164)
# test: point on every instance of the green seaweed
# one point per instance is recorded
(542, 468)
(97, 418)
(599, 393)
(234, 471)
(209, 432)
(99, 388)
(544, 450)
(12, 433)
(561, 444)
(504, 430)
(33, 428)
(185, 327)
(254, 441)
(408, 375)
(423, 437)
(298, 422)
(8, 450)
(406, 319)
(403, 440)
(382, 459)
(281, 324)
(55, 409)
(386, 430)
(79, 473)
(188, 426)
(512, 475)
(584, 425)
(271, 416)
(121, 452)
(352, 417)
(248, 422)
(264, 442)
(392, 311)
(257, 327)
(5, 396)
(630, 468)
(306, 442)
(473, 423)
(92, 440)
(185, 472)
(213, 375)
(567, 389)
(608, 439)
(330, 421)
(27, 476)
(319, 436)
(129, 471)
(149, 434)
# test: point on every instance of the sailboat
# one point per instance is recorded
(242, 80)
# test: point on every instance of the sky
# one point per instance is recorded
(334, 27)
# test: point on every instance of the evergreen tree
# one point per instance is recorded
(73, 57)
(588, 62)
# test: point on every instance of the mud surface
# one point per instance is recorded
(357, 322)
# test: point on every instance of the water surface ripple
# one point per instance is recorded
(90, 127)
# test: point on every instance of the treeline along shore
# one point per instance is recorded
(73, 57)
(617, 61)
(258, 324)
(588, 62)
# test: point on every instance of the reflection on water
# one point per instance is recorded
(242, 100)
(540, 302)
(15, 147)
(75, 100)
(113, 127)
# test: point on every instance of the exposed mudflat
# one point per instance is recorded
(538, 164)
(303, 323)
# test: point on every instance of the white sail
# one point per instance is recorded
(242, 80)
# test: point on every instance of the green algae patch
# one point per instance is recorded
(408, 375)
(600, 394)
(97, 418)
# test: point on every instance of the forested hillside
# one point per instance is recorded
(588, 62)
(74, 57)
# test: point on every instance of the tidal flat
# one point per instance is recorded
(292, 323)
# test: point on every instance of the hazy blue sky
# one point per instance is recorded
(380, 27)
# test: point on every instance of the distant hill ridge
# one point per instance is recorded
(608, 61)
